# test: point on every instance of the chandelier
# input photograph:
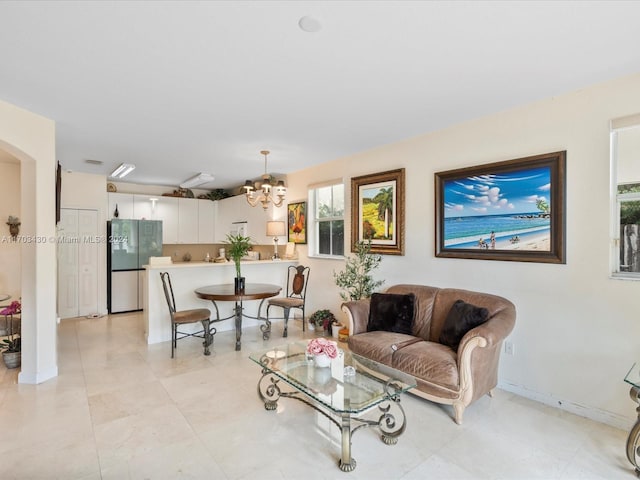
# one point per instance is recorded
(268, 192)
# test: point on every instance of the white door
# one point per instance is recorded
(88, 262)
(68, 263)
(77, 263)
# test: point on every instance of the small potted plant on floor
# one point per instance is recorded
(323, 319)
(11, 346)
(239, 245)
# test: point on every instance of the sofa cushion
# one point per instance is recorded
(391, 312)
(436, 364)
(461, 318)
(379, 345)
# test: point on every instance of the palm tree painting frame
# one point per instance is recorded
(297, 222)
(512, 210)
(377, 211)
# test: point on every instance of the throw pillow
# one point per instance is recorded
(461, 318)
(391, 312)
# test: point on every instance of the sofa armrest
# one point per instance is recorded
(357, 313)
(478, 367)
(493, 331)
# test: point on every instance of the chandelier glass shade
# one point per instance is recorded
(268, 193)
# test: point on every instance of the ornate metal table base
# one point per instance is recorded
(633, 447)
(389, 426)
(238, 313)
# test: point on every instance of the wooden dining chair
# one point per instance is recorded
(182, 317)
(297, 280)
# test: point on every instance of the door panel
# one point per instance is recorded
(77, 263)
(88, 262)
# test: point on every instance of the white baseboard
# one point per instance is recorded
(596, 414)
(39, 377)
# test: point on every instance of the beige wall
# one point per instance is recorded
(31, 139)
(10, 256)
(577, 329)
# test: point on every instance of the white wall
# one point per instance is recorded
(31, 139)
(577, 330)
(10, 256)
(87, 191)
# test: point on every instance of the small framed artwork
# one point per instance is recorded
(377, 211)
(512, 210)
(297, 222)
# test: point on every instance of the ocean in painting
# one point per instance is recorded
(465, 232)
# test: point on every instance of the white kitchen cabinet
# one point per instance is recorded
(124, 202)
(167, 210)
(206, 221)
(187, 220)
(236, 209)
(143, 207)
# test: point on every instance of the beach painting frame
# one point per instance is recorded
(297, 222)
(377, 211)
(512, 210)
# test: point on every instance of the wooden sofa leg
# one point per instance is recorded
(458, 409)
(491, 393)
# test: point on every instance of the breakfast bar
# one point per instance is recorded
(187, 277)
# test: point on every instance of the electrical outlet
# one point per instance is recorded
(508, 348)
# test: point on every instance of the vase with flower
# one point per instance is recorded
(322, 351)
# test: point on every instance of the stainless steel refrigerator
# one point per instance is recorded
(131, 243)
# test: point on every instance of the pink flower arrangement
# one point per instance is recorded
(12, 309)
(321, 345)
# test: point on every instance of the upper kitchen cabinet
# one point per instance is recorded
(167, 210)
(124, 204)
(236, 209)
(143, 207)
(187, 220)
(206, 221)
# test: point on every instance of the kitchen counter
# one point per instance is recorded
(187, 276)
(214, 264)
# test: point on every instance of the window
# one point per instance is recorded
(625, 168)
(628, 207)
(327, 205)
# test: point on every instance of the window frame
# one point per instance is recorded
(314, 238)
(617, 199)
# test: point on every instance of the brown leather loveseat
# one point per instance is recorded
(443, 374)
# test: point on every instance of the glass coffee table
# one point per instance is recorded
(633, 442)
(344, 392)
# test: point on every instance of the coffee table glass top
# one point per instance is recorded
(371, 384)
(633, 376)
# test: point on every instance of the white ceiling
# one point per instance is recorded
(179, 88)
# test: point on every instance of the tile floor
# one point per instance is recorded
(120, 409)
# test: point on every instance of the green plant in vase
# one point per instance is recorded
(356, 280)
(239, 246)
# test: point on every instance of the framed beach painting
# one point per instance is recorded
(511, 210)
(297, 222)
(377, 211)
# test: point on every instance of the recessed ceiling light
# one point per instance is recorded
(310, 24)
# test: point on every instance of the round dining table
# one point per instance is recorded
(227, 293)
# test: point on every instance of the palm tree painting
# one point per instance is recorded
(378, 212)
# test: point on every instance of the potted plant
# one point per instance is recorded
(323, 319)
(11, 346)
(356, 280)
(239, 245)
(14, 226)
